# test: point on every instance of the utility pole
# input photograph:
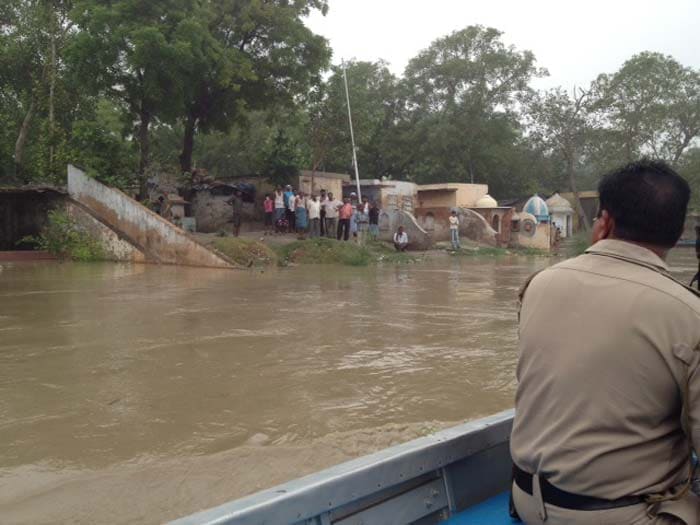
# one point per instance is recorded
(352, 135)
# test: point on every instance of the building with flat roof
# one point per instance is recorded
(387, 194)
(450, 195)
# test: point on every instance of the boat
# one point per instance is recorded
(457, 476)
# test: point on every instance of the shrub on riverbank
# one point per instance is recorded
(63, 238)
(324, 251)
(492, 251)
(384, 252)
(246, 252)
(329, 251)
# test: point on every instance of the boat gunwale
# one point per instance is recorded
(322, 492)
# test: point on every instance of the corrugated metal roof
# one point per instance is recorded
(33, 189)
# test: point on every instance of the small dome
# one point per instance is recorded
(525, 216)
(486, 202)
(558, 204)
(537, 207)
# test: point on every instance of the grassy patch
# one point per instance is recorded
(329, 251)
(493, 251)
(384, 252)
(63, 238)
(324, 251)
(479, 251)
(532, 252)
(246, 252)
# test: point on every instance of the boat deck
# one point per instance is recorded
(493, 511)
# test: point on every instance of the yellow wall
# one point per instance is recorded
(437, 199)
(468, 194)
(451, 195)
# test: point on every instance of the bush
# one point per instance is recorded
(480, 251)
(246, 252)
(325, 251)
(63, 238)
(384, 252)
(329, 251)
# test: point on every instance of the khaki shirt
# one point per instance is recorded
(606, 345)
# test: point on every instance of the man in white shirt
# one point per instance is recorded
(331, 206)
(454, 230)
(280, 208)
(400, 240)
(314, 209)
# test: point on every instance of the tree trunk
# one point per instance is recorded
(22, 137)
(52, 89)
(188, 145)
(687, 138)
(314, 166)
(144, 146)
(582, 219)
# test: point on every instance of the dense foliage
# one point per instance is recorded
(65, 239)
(242, 87)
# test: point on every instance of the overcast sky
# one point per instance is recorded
(575, 41)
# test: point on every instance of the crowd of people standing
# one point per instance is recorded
(290, 211)
(324, 215)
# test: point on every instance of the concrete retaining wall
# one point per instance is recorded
(472, 226)
(540, 238)
(389, 222)
(159, 240)
(115, 248)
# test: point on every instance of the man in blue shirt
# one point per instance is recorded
(288, 195)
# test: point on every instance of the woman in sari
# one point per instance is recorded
(302, 217)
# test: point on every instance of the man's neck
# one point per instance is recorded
(661, 251)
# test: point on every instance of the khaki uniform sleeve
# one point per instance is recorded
(690, 357)
(523, 289)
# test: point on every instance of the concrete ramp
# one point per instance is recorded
(475, 228)
(389, 222)
(120, 220)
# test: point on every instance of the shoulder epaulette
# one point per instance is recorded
(651, 267)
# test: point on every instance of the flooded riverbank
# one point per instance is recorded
(136, 394)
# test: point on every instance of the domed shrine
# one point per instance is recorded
(562, 214)
(486, 202)
(538, 207)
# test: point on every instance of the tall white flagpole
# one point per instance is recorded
(352, 135)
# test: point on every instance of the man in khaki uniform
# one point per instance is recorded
(609, 355)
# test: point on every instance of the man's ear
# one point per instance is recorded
(604, 227)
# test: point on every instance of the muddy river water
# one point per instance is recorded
(137, 394)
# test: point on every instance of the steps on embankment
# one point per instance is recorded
(132, 232)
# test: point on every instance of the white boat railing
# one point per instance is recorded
(420, 482)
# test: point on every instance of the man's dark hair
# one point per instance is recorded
(648, 201)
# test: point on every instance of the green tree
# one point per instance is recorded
(651, 106)
(463, 95)
(257, 55)
(141, 54)
(562, 124)
(689, 167)
(33, 34)
(374, 102)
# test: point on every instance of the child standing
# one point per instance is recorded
(269, 209)
(454, 230)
